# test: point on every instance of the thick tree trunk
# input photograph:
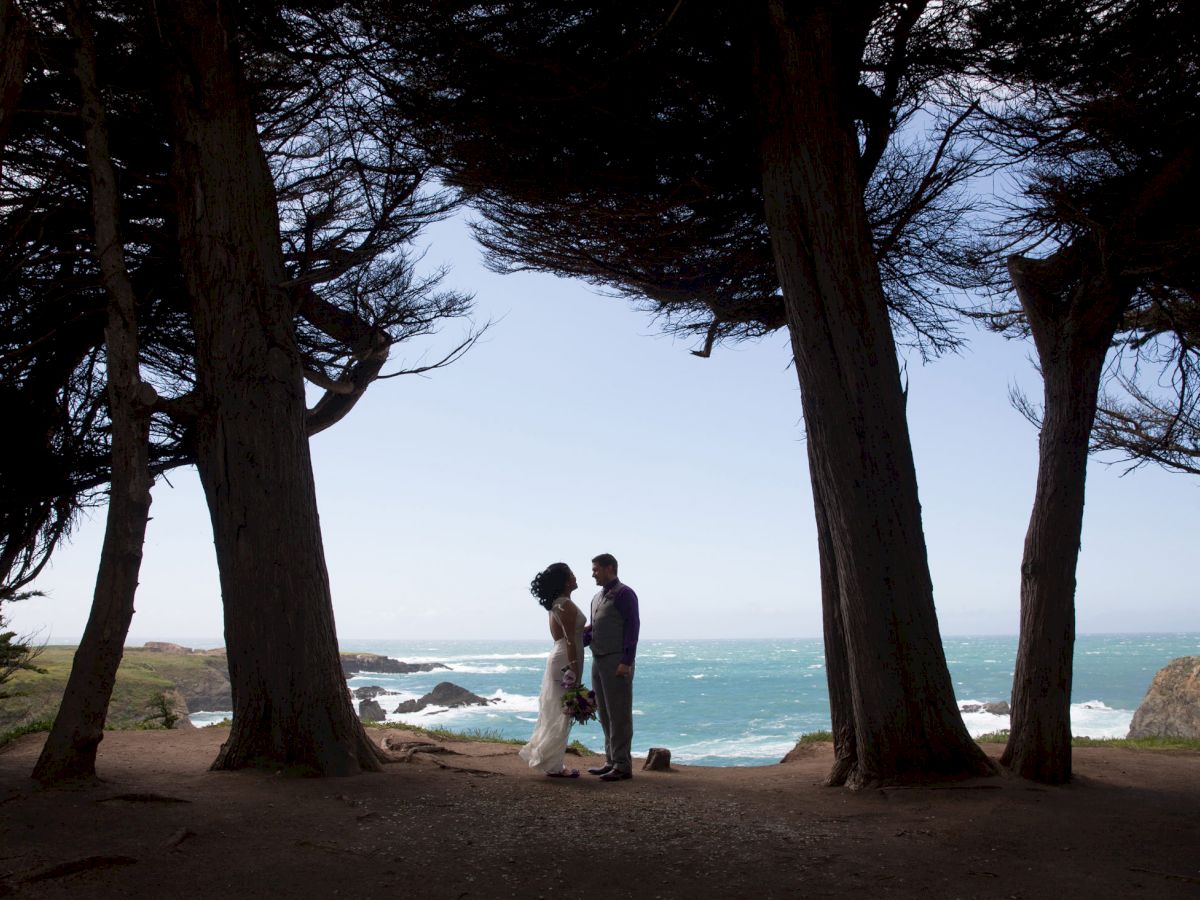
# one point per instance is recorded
(837, 661)
(906, 722)
(1073, 315)
(70, 750)
(14, 57)
(291, 706)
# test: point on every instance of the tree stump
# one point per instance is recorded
(658, 760)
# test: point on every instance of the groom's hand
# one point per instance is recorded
(623, 670)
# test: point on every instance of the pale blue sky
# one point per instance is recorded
(573, 428)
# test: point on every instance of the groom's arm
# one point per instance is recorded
(626, 603)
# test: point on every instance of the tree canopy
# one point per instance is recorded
(617, 145)
(351, 195)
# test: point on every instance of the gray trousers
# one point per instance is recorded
(614, 701)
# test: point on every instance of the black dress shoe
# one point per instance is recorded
(615, 775)
(600, 770)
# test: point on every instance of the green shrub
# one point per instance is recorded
(993, 737)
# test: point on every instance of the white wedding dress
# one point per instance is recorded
(548, 745)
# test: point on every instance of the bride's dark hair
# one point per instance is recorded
(548, 584)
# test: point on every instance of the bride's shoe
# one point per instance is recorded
(563, 773)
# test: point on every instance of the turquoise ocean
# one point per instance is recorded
(745, 702)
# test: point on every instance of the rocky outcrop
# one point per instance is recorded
(371, 711)
(353, 663)
(201, 676)
(175, 705)
(1171, 707)
(206, 688)
(445, 694)
(370, 692)
(806, 747)
(995, 707)
(165, 647)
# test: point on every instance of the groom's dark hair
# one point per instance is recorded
(606, 560)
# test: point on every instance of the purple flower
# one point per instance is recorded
(577, 702)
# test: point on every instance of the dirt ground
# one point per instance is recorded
(474, 822)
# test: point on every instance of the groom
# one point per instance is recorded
(613, 637)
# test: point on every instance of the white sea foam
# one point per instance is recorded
(748, 746)
(204, 719)
(1091, 718)
(472, 657)
(496, 669)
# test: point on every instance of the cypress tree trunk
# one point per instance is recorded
(906, 722)
(837, 662)
(291, 705)
(1073, 315)
(15, 40)
(14, 56)
(70, 750)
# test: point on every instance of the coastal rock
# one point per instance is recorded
(177, 708)
(1171, 707)
(206, 687)
(995, 707)
(370, 692)
(353, 663)
(371, 711)
(165, 647)
(444, 694)
(202, 676)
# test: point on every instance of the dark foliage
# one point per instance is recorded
(17, 654)
(352, 196)
(618, 144)
(1096, 107)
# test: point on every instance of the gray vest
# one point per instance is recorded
(608, 625)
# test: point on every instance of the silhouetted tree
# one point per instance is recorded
(1097, 102)
(70, 748)
(1154, 429)
(1152, 415)
(347, 207)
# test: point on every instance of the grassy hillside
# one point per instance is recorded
(144, 678)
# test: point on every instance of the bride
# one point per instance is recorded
(547, 747)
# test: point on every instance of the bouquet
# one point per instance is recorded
(578, 702)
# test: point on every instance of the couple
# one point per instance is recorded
(613, 636)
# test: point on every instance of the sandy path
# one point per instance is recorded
(476, 823)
